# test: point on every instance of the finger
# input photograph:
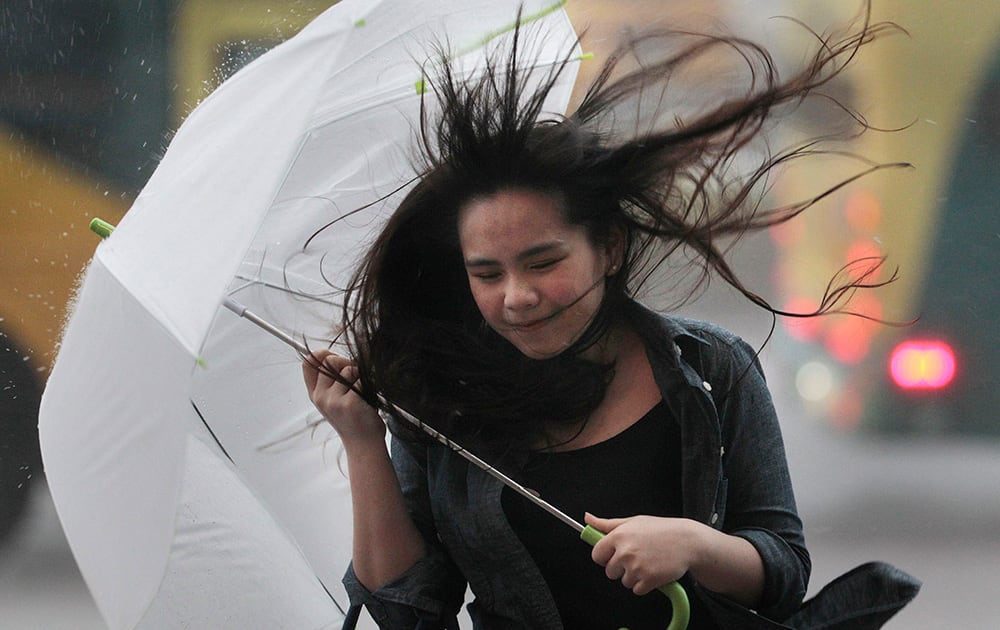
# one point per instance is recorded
(603, 552)
(635, 585)
(310, 368)
(615, 571)
(334, 363)
(332, 370)
(349, 374)
(325, 371)
(605, 525)
(641, 587)
(629, 580)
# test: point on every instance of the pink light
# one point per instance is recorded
(922, 364)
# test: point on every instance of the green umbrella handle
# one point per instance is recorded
(674, 591)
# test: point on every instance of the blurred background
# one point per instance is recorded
(893, 433)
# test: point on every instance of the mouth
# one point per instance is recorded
(528, 326)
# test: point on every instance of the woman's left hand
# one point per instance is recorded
(646, 552)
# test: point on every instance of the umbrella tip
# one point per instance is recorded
(101, 227)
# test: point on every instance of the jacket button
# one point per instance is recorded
(707, 386)
(715, 518)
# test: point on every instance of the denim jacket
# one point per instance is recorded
(734, 478)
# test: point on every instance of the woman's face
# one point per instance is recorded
(537, 280)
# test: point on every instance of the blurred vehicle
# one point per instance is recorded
(943, 373)
(89, 93)
(938, 224)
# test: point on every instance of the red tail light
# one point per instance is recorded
(922, 364)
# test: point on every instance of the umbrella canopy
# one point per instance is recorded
(177, 440)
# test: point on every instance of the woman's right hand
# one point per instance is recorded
(353, 418)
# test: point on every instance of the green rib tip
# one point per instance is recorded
(101, 227)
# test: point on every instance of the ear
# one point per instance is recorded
(615, 251)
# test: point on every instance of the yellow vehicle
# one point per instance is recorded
(45, 206)
(87, 102)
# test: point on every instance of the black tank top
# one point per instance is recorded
(637, 471)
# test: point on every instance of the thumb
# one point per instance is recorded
(604, 525)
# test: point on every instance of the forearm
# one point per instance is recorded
(386, 541)
(729, 565)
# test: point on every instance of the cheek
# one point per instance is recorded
(486, 300)
(582, 290)
(564, 295)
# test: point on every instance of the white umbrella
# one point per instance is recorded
(175, 438)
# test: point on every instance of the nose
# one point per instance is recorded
(519, 294)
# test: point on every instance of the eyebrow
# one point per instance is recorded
(535, 250)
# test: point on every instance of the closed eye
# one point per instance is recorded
(544, 264)
(485, 276)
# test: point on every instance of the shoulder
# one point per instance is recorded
(690, 335)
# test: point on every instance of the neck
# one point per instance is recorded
(627, 397)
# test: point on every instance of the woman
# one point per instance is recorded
(497, 305)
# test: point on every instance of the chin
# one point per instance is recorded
(540, 352)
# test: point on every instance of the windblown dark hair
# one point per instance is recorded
(410, 319)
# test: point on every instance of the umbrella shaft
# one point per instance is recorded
(262, 323)
(507, 481)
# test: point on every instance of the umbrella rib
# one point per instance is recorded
(250, 281)
(212, 433)
(229, 457)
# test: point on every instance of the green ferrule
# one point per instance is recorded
(590, 535)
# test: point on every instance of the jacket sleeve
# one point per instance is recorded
(433, 588)
(760, 504)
